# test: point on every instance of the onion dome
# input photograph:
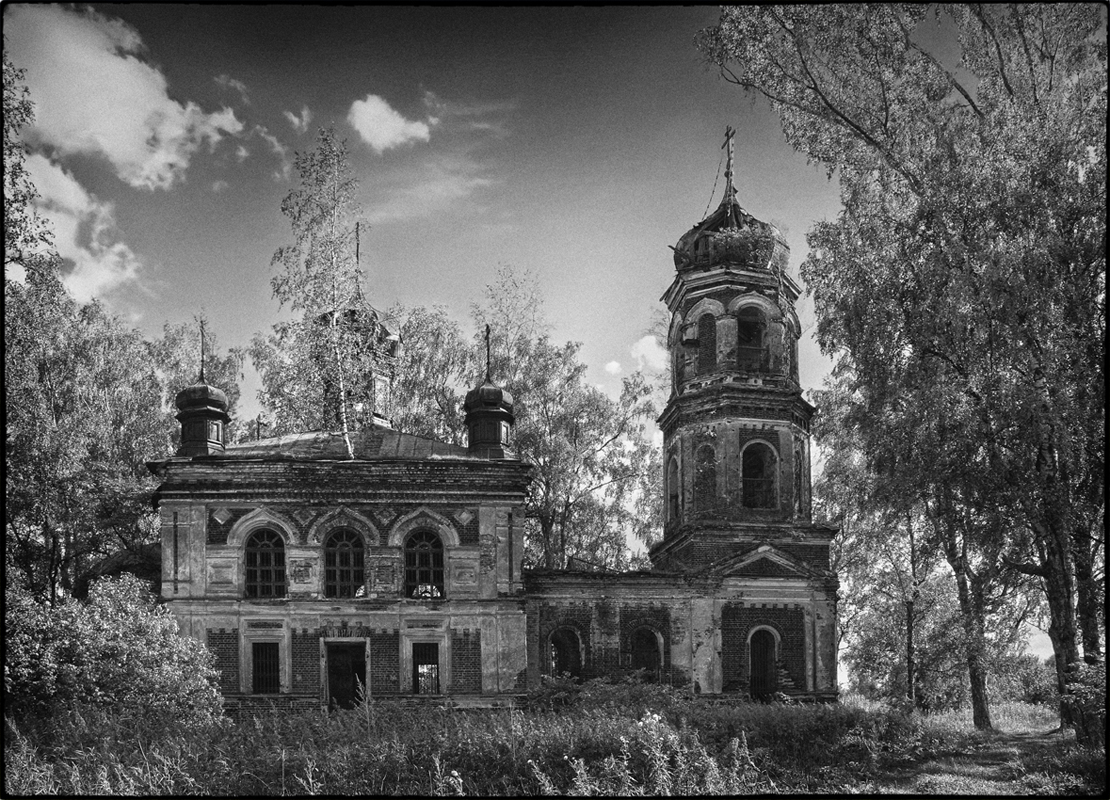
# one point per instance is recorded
(730, 237)
(489, 421)
(488, 395)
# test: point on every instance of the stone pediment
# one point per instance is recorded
(764, 561)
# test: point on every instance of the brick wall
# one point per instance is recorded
(224, 645)
(384, 663)
(816, 555)
(737, 620)
(306, 661)
(466, 661)
(576, 616)
(218, 531)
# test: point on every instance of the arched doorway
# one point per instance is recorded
(645, 653)
(566, 653)
(761, 659)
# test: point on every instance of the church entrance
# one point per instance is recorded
(762, 661)
(346, 673)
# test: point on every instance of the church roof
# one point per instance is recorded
(371, 443)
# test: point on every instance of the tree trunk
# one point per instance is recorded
(1087, 591)
(911, 694)
(971, 617)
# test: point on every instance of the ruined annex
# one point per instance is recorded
(314, 577)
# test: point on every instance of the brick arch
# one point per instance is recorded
(707, 305)
(768, 307)
(343, 517)
(546, 666)
(423, 517)
(261, 518)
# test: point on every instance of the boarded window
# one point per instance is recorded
(707, 344)
(673, 488)
(425, 668)
(266, 667)
(424, 565)
(265, 564)
(705, 479)
(344, 570)
(759, 467)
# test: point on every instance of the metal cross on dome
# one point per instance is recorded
(487, 353)
(730, 133)
(201, 379)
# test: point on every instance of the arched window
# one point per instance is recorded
(424, 565)
(758, 477)
(673, 489)
(265, 561)
(344, 571)
(566, 653)
(761, 664)
(705, 479)
(751, 334)
(645, 653)
(707, 344)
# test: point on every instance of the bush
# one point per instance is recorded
(118, 650)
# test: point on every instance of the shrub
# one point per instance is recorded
(117, 650)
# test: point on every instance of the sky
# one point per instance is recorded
(576, 143)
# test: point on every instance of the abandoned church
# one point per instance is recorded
(310, 574)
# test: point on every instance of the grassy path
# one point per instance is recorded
(994, 765)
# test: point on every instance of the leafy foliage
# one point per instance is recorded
(319, 371)
(596, 473)
(962, 287)
(118, 650)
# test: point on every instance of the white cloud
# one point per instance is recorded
(219, 186)
(383, 128)
(300, 124)
(228, 82)
(285, 165)
(613, 368)
(649, 353)
(438, 183)
(94, 95)
(85, 232)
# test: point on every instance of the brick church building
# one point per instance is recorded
(313, 576)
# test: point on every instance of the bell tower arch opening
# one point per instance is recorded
(759, 476)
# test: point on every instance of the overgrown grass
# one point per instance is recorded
(624, 738)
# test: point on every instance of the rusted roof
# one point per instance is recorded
(370, 443)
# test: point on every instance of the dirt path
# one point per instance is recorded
(991, 767)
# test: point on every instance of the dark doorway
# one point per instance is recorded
(346, 673)
(645, 653)
(425, 668)
(762, 652)
(566, 654)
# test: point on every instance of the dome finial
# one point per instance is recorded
(487, 353)
(730, 133)
(201, 378)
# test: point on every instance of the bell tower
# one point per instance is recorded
(736, 441)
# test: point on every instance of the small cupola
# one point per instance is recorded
(202, 412)
(489, 418)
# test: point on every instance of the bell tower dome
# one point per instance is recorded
(736, 427)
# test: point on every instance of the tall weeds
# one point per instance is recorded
(605, 739)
